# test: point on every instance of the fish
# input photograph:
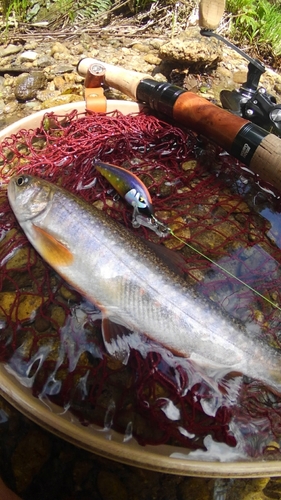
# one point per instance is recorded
(135, 289)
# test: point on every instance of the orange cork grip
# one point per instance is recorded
(208, 119)
(224, 128)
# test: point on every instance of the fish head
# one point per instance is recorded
(28, 196)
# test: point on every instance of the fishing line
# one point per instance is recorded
(224, 270)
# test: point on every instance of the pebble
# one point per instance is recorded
(28, 84)
(9, 50)
(36, 446)
(22, 311)
(28, 55)
(152, 59)
(111, 487)
(10, 107)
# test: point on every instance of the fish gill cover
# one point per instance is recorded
(50, 336)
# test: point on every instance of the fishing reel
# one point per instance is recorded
(250, 101)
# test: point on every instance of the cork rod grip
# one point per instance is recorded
(115, 76)
(210, 13)
(266, 160)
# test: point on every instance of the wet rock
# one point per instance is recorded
(37, 446)
(273, 488)
(45, 95)
(72, 88)
(110, 487)
(195, 488)
(41, 324)
(11, 107)
(192, 49)
(61, 99)
(58, 315)
(28, 84)
(18, 310)
(250, 489)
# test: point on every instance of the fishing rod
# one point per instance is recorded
(255, 147)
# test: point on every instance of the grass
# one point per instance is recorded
(258, 21)
(30, 10)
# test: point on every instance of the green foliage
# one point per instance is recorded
(51, 10)
(18, 8)
(90, 9)
(258, 21)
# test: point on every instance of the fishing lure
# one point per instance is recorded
(134, 191)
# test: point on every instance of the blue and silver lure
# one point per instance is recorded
(134, 191)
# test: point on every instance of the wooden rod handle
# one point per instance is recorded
(119, 78)
(252, 145)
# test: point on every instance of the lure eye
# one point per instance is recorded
(142, 200)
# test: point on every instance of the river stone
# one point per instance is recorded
(9, 50)
(37, 446)
(61, 99)
(192, 49)
(11, 107)
(44, 61)
(28, 55)
(28, 84)
(110, 486)
(152, 59)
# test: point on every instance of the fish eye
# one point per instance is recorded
(21, 180)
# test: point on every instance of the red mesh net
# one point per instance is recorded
(49, 335)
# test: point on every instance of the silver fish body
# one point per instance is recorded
(130, 283)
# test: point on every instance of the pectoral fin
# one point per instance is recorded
(51, 249)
